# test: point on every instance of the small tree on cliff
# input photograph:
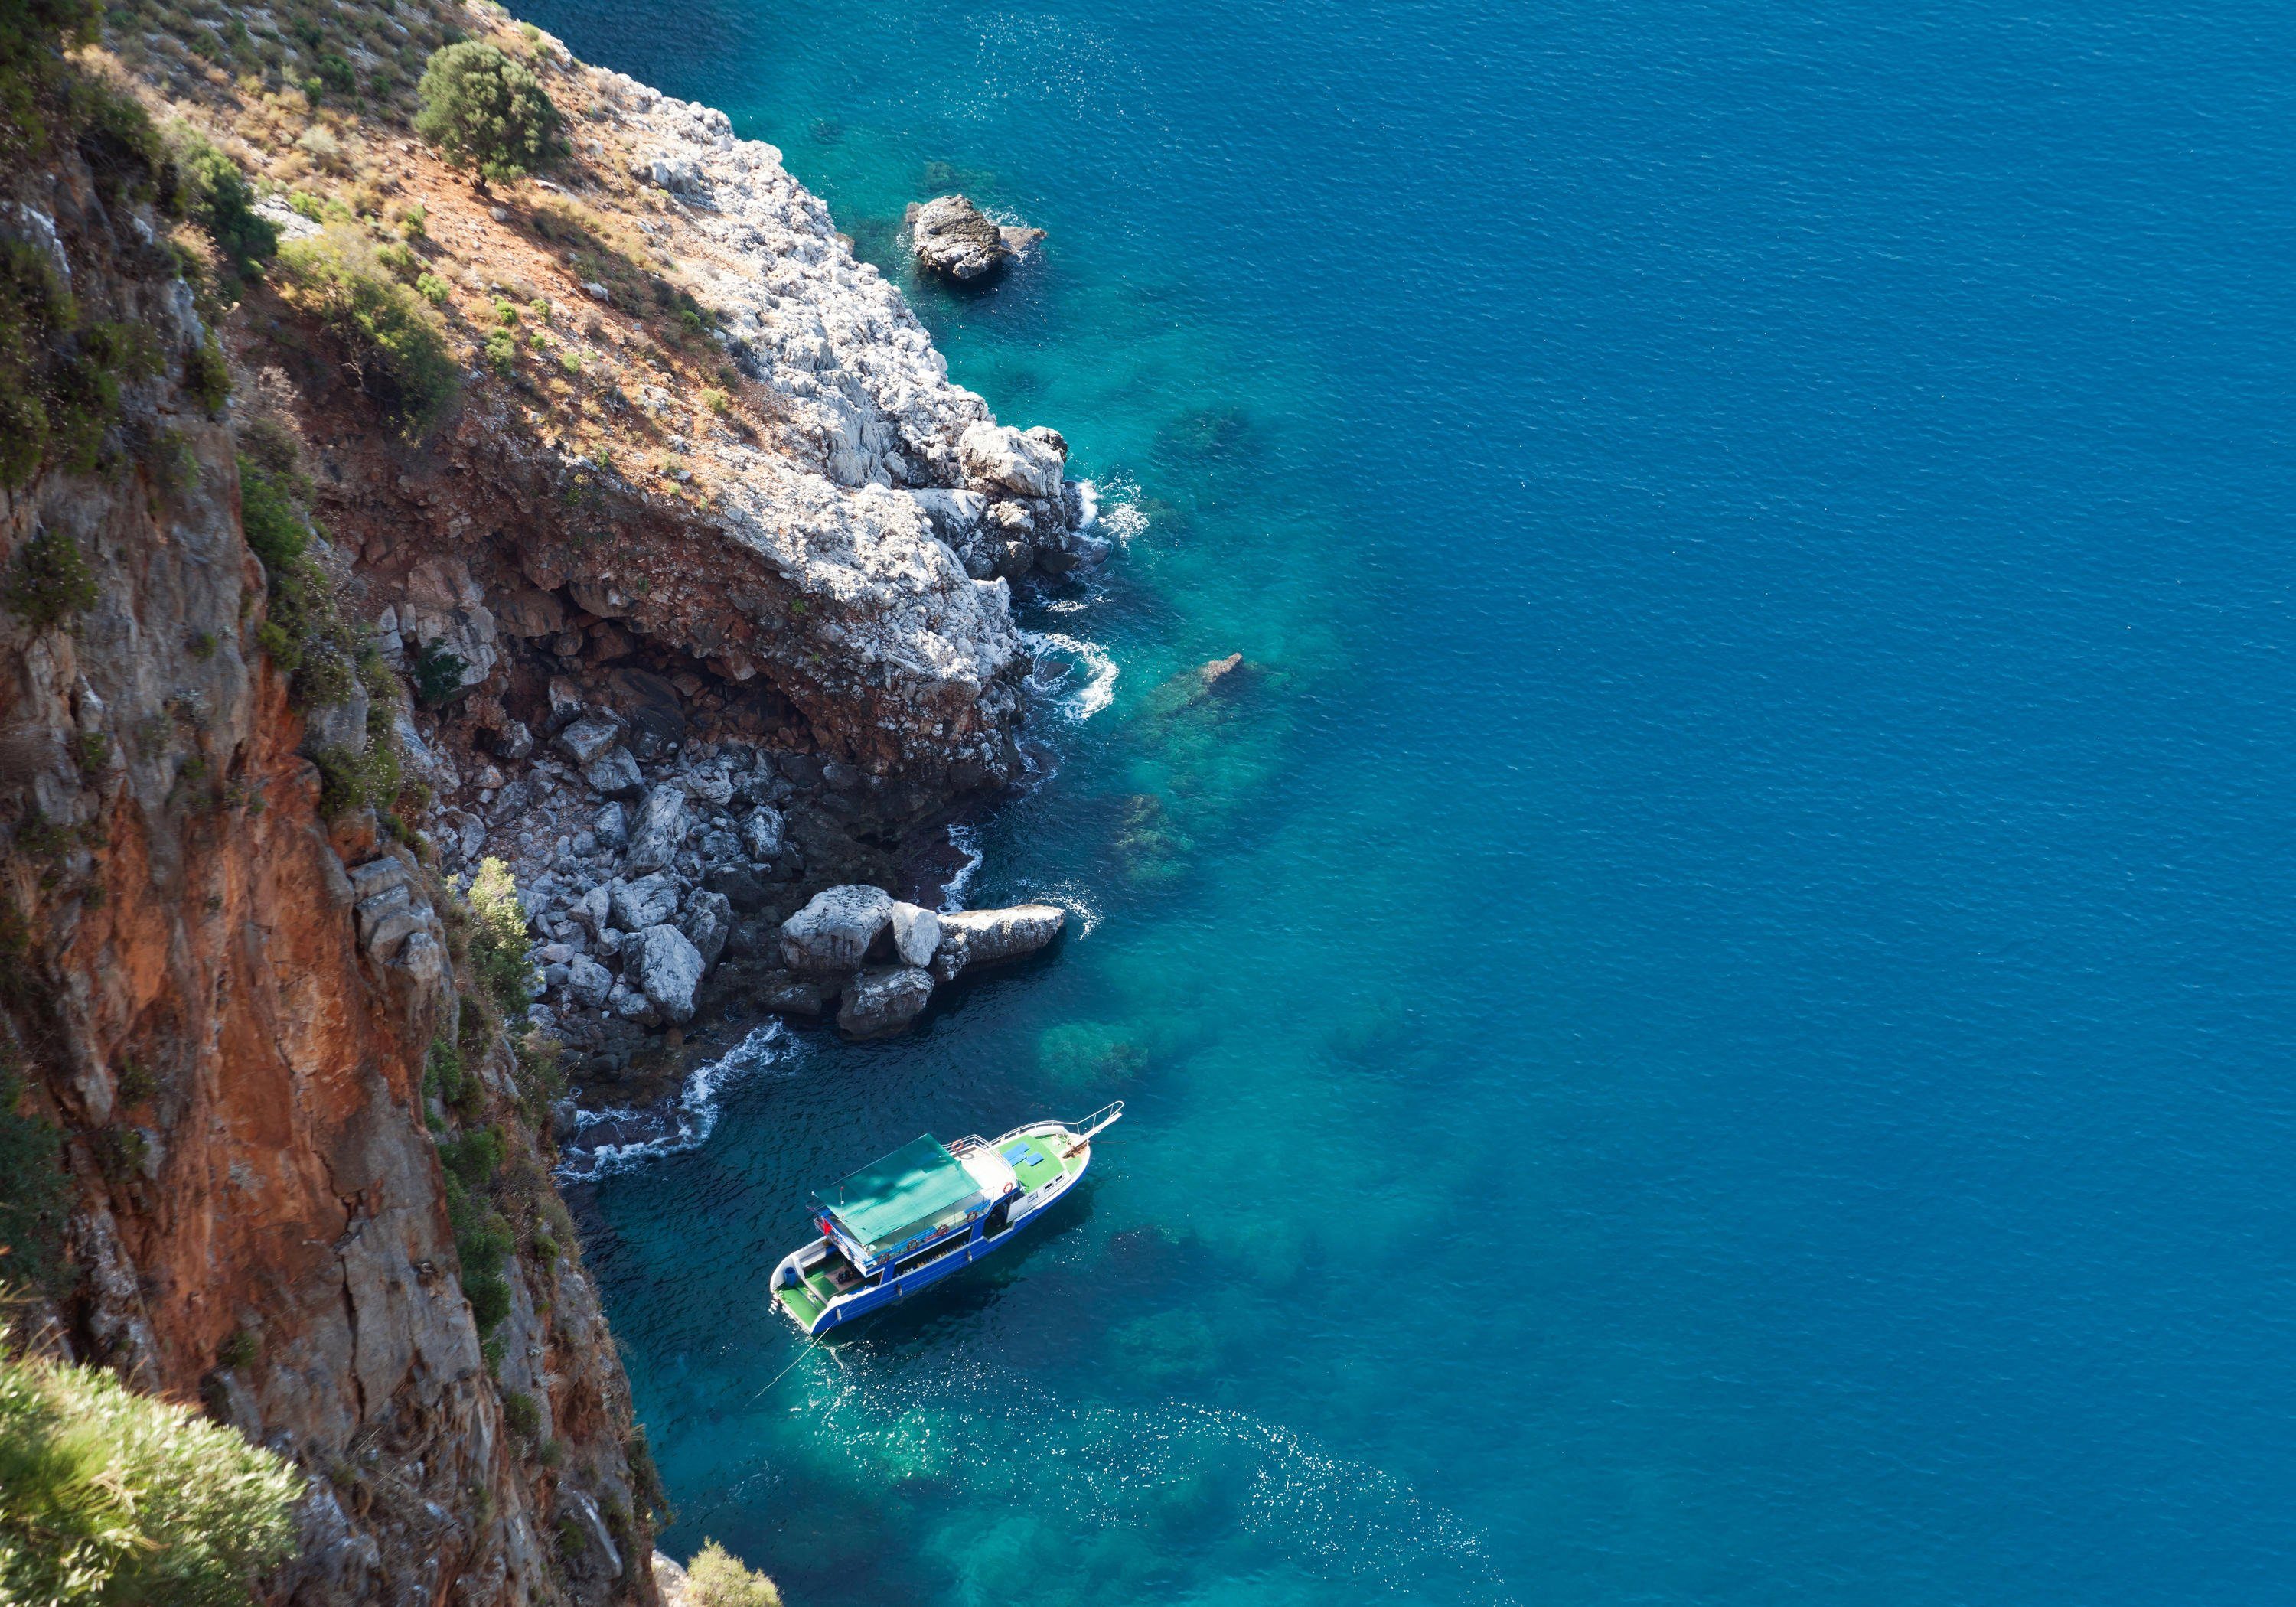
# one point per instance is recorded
(487, 113)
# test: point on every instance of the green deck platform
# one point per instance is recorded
(1032, 1161)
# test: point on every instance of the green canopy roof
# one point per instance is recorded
(918, 1187)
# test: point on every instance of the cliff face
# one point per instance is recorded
(226, 1006)
(704, 501)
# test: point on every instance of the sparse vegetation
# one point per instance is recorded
(107, 1495)
(392, 336)
(487, 113)
(50, 581)
(497, 937)
(34, 1188)
(721, 1579)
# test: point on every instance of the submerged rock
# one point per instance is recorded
(950, 235)
(885, 999)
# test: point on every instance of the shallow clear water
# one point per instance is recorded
(1711, 1022)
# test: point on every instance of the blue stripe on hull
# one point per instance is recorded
(908, 1283)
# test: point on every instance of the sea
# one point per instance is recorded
(1706, 1015)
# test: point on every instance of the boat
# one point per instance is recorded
(927, 1210)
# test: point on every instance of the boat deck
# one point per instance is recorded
(1032, 1160)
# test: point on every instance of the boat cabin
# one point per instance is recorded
(907, 1206)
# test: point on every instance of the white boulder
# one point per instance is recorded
(668, 968)
(999, 457)
(916, 933)
(833, 933)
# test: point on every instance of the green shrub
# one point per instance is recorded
(207, 376)
(720, 1580)
(216, 196)
(107, 1495)
(487, 113)
(497, 937)
(431, 289)
(520, 1411)
(34, 1188)
(399, 259)
(437, 674)
(307, 629)
(502, 352)
(475, 1158)
(393, 337)
(50, 581)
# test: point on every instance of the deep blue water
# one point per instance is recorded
(1713, 1021)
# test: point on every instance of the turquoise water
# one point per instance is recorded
(1711, 1019)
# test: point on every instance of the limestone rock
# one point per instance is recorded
(761, 834)
(668, 969)
(648, 901)
(709, 918)
(983, 937)
(834, 933)
(445, 611)
(916, 933)
(587, 738)
(997, 457)
(588, 982)
(885, 999)
(615, 772)
(950, 235)
(660, 829)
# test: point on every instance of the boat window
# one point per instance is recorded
(926, 1258)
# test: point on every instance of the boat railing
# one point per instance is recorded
(1094, 1123)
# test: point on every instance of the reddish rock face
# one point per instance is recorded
(225, 1005)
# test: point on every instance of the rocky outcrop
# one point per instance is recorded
(833, 934)
(225, 1004)
(950, 235)
(985, 937)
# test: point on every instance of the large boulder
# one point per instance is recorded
(648, 901)
(833, 933)
(762, 833)
(445, 612)
(615, 772)
(885, 999)
(589, 981)
(950, 235)
(587, 738)
(916, 933)
(983, 937)
(667, 969)
(709, 918)
(997, 457)
(659, 831)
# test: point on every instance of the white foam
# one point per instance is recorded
(1099, 688)
(689, 1119)
(1122, 519)
(966, 842)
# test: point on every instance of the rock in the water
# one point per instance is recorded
(660, 829)
(761, 834)
(951, 235)
(916, 933)
(983, 937)
(832, 934)
(668, 968)
(615, 772)
(997, 457)
(885, 999)
(648, 901)
(709, 918)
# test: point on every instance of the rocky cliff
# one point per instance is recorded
(279, 659)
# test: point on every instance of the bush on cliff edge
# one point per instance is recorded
(109, 1496)
(488, 113)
